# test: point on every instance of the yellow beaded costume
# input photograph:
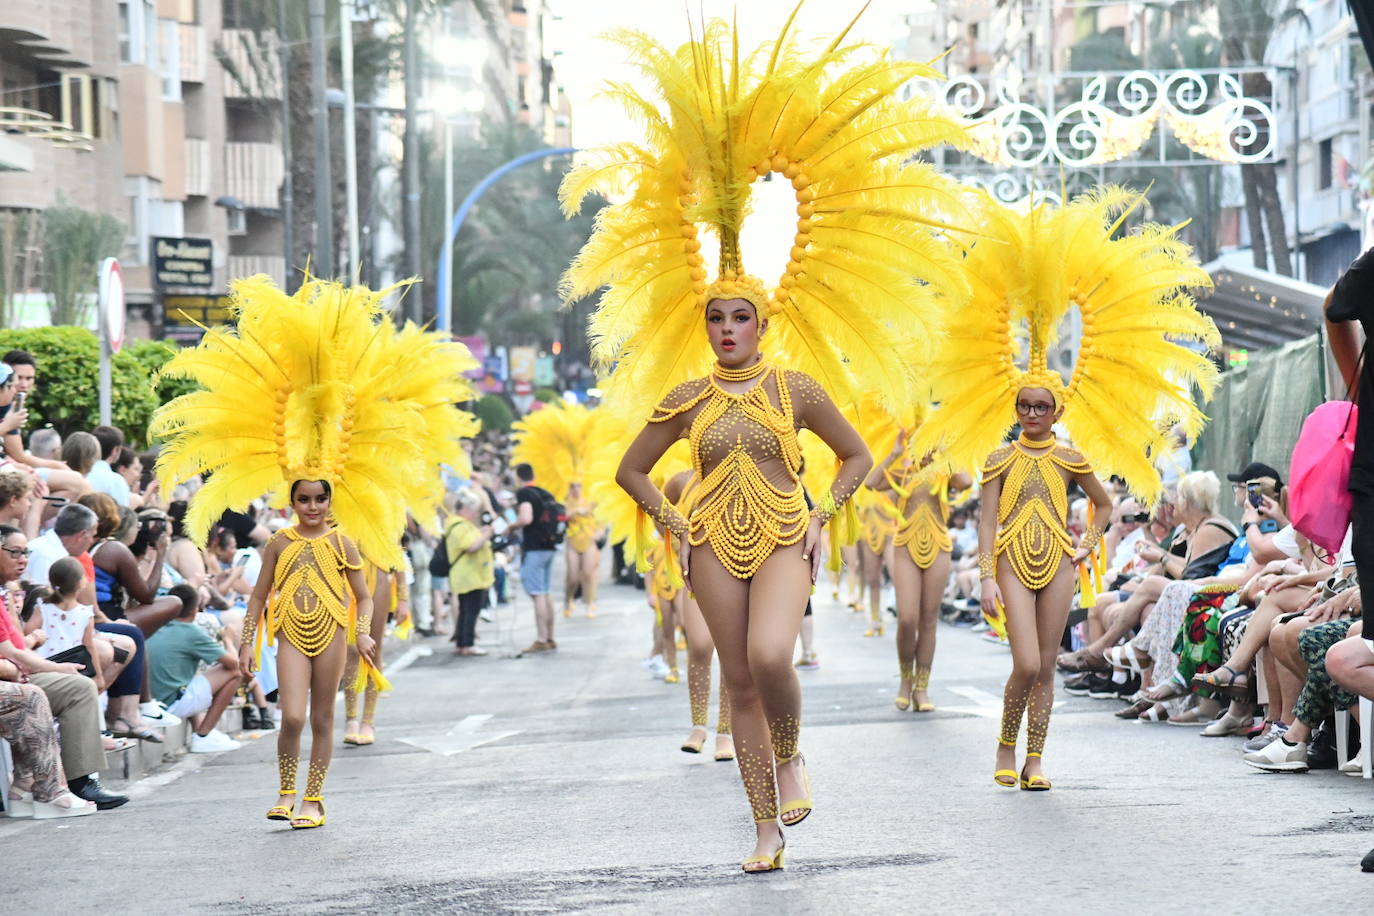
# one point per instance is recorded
(1033, 509)
(310, 593)
(923, 514)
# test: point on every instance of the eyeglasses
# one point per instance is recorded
(17, 552)
(1033, 410)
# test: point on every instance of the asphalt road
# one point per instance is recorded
(554, 784)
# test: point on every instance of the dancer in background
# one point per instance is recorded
(301, 400)
(1132, 382)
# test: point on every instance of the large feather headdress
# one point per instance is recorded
(558, 442)
(1142, 359)
(869, 217)
(319, 385)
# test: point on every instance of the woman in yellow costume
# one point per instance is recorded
(920, 563)
(559, 441)
(1131, 382)
(583, 556)
(390, 595)
(301, 401)
(681, 491)
(828, 120)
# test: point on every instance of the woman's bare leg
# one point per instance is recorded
(700, 651)
(1052, 607)
(724, 602)
(381, 600)
(325, 671)
(590, 561)
(906, 578)
(932, 591)
(872, 565)
(1271, 608)
(293, 695)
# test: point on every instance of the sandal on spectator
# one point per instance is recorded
(1190, 717)
(19, 802)
(1156, 713)
(1078, 662)
(1227, 725)
(1125, 657)
(1235, 680)
(1166, 691)
(64, 805)
(1134, 710)
(129, 731)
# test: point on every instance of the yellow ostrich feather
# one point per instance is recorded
(556, 442)
(1142, 361)
(317, 386)
(870, 220)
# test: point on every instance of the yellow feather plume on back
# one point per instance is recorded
(869, 225)
(1142, 362)
(317, 386)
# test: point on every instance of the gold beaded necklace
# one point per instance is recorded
(1036, 443)
(726, 374)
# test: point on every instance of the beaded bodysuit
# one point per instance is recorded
(876, 525)
(1033, 510)
(924, 529)
(581, 527)
(745, 453)
(310, 591)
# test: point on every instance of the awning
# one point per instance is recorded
(15, 156)
(1256, 308)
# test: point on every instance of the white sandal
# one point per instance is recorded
(21, 806)
(64, 805)
(1124, 656)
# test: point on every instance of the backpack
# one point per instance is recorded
(440, 563)
(550, 523)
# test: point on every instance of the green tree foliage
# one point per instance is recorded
(68, 390)
(494, 413)
(74, 243)
(153, 355)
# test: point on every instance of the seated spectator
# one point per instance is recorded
(72, 698)
(225, 588)
(123, 590)
(102, 476)
(38, 788)
(80, 452)
(72, 534)
(129, 466)
(175, 653)
(59, 478)
(46, 443)
(21, 501)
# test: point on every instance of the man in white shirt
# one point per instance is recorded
(72, 534)
(102, 477)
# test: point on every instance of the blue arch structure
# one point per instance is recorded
(445, 317)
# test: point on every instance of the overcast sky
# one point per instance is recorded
(587, 61)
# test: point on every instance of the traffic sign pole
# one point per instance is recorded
(110, 309)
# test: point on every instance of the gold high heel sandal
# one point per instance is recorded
(921, 681)
(772, 863)
(903, 697)
(691, 746)
(804, 804)
(1035, 783)
(1005, 778)
(305, 821)
(351, 734)
(281, 812)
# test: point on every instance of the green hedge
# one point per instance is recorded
(68, 391)
(494, 413)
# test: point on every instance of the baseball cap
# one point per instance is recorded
(1253, 471)
(5, 373)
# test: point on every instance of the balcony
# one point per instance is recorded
(248, 265)
(251, 67)
(197, 178)
(253, 174)
(191, 47)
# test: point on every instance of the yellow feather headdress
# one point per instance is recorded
(1135, 375)
(556, 442)
(317, 386)
(869, 217)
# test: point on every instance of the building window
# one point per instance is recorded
(170, 54)
(1324, 164)
(138, 32)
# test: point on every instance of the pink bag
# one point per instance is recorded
(1318, 501)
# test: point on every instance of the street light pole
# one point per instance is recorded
(354, 265)
(288, 200)
(445, 316)
(323, 258)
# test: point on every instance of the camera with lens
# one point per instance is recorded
(1140, 517)
(486, 518)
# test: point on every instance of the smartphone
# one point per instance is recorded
(1253, 494)
(19, 400)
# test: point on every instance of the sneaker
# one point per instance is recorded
(658, 668)
(1103, 688)
(1321, 749)
(1094, 684)
(808, 661)
(1265, 738)
(1280, 757)
(1127, 689)
(213, 743)
(157, 714)
(1079, 685)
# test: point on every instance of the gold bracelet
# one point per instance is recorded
(1092, 535)
(827, 509)
(987, 566)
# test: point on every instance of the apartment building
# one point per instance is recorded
(127, 107)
